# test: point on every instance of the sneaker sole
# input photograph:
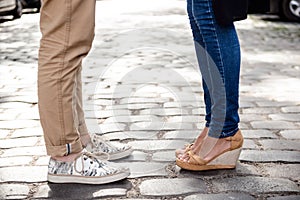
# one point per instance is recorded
(120, 155)
(87, 179)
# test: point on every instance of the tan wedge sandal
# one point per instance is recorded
(188, 147)
(225, 160)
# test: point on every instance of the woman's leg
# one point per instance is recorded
(198, 40)
(218, 55)
(223, 57)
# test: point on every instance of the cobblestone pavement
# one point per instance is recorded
(142, 87)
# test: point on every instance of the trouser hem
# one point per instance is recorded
(63, 150)
(223, 134)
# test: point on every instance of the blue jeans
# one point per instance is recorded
(218, 53)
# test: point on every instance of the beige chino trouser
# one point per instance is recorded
(67, 28)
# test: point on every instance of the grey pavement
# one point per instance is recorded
(142, 87)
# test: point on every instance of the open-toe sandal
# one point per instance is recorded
(225, 160)
(188, 147)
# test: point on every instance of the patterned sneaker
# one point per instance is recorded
(85, 169)
(115, 151)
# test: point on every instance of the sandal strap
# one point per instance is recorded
(236, 140)
(195, 159)
(188, 147)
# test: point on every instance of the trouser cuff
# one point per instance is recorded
(66, 149)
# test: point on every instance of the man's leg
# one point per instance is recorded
(92, 142)
(67, 33)
(67, 28)
(78, 109)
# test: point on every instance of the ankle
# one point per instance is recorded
(200, 137)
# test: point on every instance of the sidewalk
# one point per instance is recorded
(142, 87)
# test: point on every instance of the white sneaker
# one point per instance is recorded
(115, 151)
(85, 169)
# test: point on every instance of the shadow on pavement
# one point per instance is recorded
(5, 19)
(83, 191)
(241, 169)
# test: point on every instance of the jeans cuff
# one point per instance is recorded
(223, 134)
(207, 124)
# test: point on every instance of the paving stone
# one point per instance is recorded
(139, 126)
(241, 169)
(135, 156)
(166, 156)
(15, 105)
(286, 117)
(272, 125)
(99, 114)
(157, 144)
(13, 161)
(8, 115)
(28, 174)
(20, 142)
(110, 192)
(173, 105)
(145, 169)
(291, 109)
(244, 104)
(243, 126)
(259, 110)
(198, 111)
(13, 124)
(272, 103)
(100, 102)
(164, 112)
(4, 133)
(233, 196)
(255, 185)
(74, 191)
(143, 100)
(31, 99)
(27, 132)
(25, 151)
(281, 144)
(249, 144)
(290, 197)
(32, 114)
(257, 134)
(107, 128)
(177, 186)
(182, 134)
(180, 119)
(132, 135)
(291, 171)
(290, 134)
(270, 156)
(245, 169)
(137, 106)
(132, 118)
(42, 160)
(252, 117)
(13, 191)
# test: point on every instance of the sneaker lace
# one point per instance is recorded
(93, 156)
